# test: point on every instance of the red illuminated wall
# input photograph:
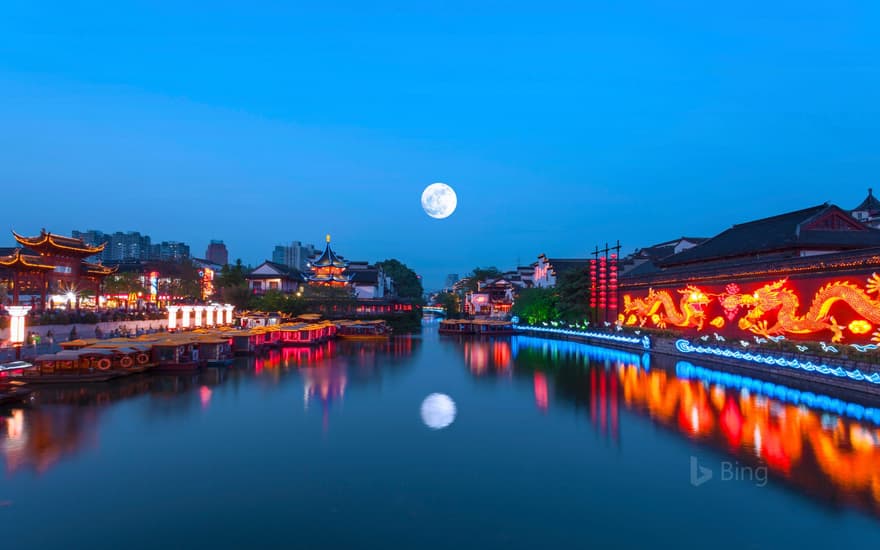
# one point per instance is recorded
(836, 307)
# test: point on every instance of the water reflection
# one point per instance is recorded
(62, 421)
(803, 437)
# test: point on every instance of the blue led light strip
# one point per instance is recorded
(684, 346)
(683, 369)
(644, 340)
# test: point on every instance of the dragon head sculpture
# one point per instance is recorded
(765, 299)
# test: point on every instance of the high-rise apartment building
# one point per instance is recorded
(295, 256)
(217, 253)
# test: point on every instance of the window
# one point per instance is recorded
(273, 285)
(258, 285)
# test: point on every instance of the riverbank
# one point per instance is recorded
(843, 374)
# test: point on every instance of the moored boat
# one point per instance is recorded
(476, 327)
(12, 389)
(174, 355)
(363, 330)
(73, 366)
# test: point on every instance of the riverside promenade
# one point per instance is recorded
(61, 333)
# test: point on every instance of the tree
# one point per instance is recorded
(451, 302)
(536, 305)
(185, 281)
(123, 283)
(573, 290)
(478, 275)
(230, 285)
(407, 283)
(272, 300)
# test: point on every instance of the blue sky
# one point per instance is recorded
(560, 125)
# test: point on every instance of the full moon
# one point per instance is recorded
(438, 411)
(439, 200)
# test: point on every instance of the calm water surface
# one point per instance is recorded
(554, 444)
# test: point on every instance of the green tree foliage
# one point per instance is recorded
(123, 283)
(573, 291)
(272, 301)
(480, 274)
(536, 305)
(230, 285)
(184, 281)
(451, 302)
(406, 281)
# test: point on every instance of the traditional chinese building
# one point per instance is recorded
(548, 270)
(868, 211)
(807, 274)
(329, 269)
(274, 276)
(50, 264)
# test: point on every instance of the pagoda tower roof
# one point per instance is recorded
(50, 243)
(870, 204)
(328, 258)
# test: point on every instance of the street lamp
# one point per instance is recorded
(18, 315)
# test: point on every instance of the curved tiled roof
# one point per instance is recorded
(328, 258)
(50, 241)
(17, 258)
(821, 227)
(870, 204)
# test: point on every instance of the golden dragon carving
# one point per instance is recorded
(659, 307)
(775, 296)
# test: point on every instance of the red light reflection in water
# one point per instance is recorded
(481, 355)
(541, 398)
(205, 396)
(795, 442)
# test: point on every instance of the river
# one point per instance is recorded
(551, 444)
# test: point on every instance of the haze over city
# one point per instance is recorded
(572, 125)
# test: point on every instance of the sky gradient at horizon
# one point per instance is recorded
(559, 127)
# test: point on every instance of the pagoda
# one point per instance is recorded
(328, 269)
(48, 262)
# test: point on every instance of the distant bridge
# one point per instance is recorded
(434, 310)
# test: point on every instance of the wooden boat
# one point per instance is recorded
(476, 327)
(175, 355)
(73, 366)
(306, 334)
(127, 355)
(247, 342)
(214, 351)
(363, 330)
(13, 391)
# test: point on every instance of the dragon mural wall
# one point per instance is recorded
(842, 310)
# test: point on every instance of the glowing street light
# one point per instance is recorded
(18, 314)
(184, 321)
(172, 317)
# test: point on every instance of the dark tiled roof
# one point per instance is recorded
(289, 272)
(364, 276)
(647, 275)
(870, 204)
(785, 233)
(329, 258)
(561, 265)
